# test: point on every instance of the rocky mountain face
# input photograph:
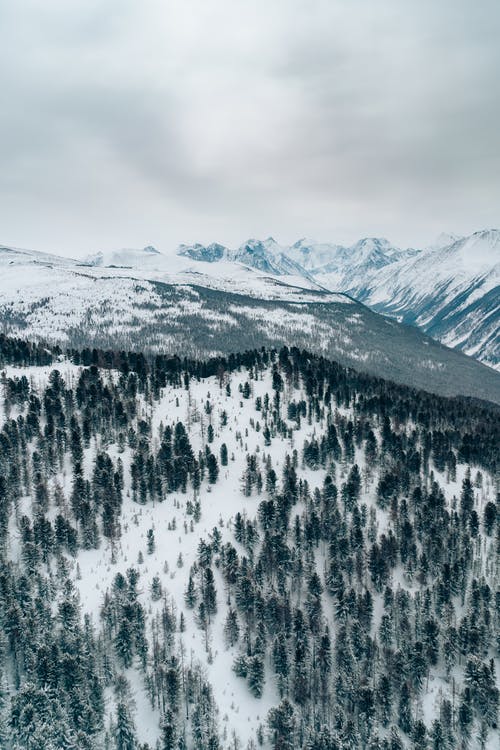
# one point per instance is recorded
(209, 254)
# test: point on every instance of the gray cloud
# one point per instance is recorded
(124, 123)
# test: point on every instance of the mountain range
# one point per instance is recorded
(451, 289)
(210, 300)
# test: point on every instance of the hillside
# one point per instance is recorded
(264, 551)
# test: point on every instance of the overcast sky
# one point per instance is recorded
(134, 122)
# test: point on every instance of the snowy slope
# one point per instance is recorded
(177, 538)
(14, 256)
(451, 292)
(127, 257)
(359, 262)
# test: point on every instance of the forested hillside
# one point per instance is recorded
(153, 303)
(260, 550)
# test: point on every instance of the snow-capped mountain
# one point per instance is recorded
(443, 240)
(371, 252)
(209, 253)
(358, 262)
(267, 256)
(263, 255)
(311, 255)
(449, 289)
(175, 303)
(451, 292)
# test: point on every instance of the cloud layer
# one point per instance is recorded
(127, 123)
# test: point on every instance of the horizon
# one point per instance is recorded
(454, 237)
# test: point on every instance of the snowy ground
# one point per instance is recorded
(93, 571)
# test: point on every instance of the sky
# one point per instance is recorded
(127, 123)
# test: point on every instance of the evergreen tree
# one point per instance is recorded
(125, 738)
(231, 628)
(281, 722)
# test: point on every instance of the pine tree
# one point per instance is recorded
(190, 595)
(213, 468)
(125, 738)
(209, 592)
(281, 722)
(223, 454)
(169, 732)
(384, 699)
(156, 589)
(405, 718)
(256, 675)
(150, 541)
(124, 642)
(231, 628)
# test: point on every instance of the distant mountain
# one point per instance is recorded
(451, 292)
(267, 256)
(16, 256)
(449, 289)
(178, 304)
(263, 255)
(209, 254)
(358, 262)
(311, 255)
(443, 240)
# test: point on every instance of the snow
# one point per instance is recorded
(224, 499)
(439, 287)
(25, 277)
(413, 285)
(240, 713)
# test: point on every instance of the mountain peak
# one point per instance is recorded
(254, 242)
(374, 241)
(372, 252)
(269, 257)
(207, 253)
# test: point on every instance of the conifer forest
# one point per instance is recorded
(262, 550)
